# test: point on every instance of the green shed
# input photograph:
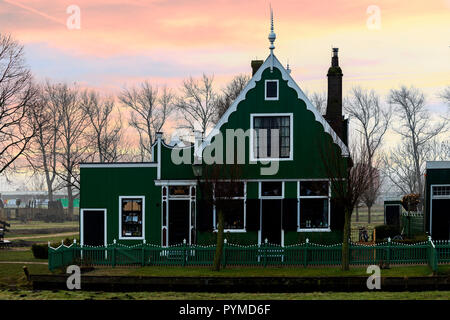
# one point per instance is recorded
(437, 199)
(392, 211)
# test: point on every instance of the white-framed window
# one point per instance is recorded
(271, 136)
(271, 189)
(132, 217)
(314, 205)
(271, 90)
(235, 207)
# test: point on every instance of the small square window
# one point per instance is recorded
(271, 90)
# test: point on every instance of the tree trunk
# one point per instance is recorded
(357, 213)
(368, 214)
(69, 198)
(219, 244)
(346, 242)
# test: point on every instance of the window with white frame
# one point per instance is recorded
(271, 90)
(131, 217)
(272, 136)
(230, 197)
(314, 205)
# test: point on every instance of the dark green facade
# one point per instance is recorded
(102, 185)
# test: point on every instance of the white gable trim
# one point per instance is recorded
(286, 76)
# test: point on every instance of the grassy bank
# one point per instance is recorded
(82, 295)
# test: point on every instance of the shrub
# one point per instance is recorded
(411, 201)
(386, 231)
(40, 251)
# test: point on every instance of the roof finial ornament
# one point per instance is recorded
(272, 36)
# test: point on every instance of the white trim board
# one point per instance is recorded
(291, 83)
(105, 219)
(119, 165)
(120, 217)
(438, 165)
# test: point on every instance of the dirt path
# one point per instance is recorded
(23, 262)
(62, 234)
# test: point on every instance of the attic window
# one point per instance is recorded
(271, 90)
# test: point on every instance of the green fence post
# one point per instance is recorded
(113, 254)
(305, 253)
(433, 256)
(184, 252)
(265, 252)
(50, 257)
(62, 253)
(388, 255)
(143, 253)
(224, 255)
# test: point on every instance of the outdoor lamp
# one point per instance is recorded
(197, 169)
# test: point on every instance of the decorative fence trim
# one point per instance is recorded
(302, 254)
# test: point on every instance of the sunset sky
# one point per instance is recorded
(120, 42)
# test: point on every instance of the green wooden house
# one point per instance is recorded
(437, 199)
(285, 193)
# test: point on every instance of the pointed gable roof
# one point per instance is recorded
(272, 61)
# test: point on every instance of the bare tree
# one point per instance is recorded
(230, 93)
(17, 95)
(220, 184)
(42, 153)
(319, 100)
(149, 112)
(445, 95)
(105, 132)
(197, 105)
(349, 179)
(73, 148)
(417, 130)
(371, 123)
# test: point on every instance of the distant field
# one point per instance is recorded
(41, 232)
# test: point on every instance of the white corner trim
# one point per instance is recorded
(252, 83)
(120, 217)
(438, 165)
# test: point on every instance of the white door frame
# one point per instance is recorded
(261, 198)
(431, 202)
(82, 223)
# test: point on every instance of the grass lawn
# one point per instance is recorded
(11, 274)
(81, 295)
(19, 255)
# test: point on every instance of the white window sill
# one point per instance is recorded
(232, 230)
(314, 230)
(131, 238)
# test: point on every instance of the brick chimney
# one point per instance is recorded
(256, 64)
(334, 103)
